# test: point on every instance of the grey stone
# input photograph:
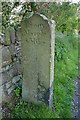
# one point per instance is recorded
(10, 90)
(13, 71)
(37, 45)
(0, 58)
(15, 79)
(12, 36)
(12, 49)
(6, 56)
(17, 49)
(1, 94)
(7, 67)
(2, 69)
(2, 40)
(0, 79)
(17, 35)
(19, 68)
(4, 77)
(8, 84)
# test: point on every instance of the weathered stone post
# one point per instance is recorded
(37, 44)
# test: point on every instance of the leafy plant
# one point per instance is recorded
(64, 14)
(65, 71)
(17, 91)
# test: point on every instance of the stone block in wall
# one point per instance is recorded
(6, 56)
(18, 35)
(13, 71)
(0, 94)
(12, 49)
(0, 79)
(1, 116)
(15, 51)
(5, 68)
(2, 40)
(16, 79)
(0, 58)
(10, 71)
(19, 56)
(19, 68)
(12, 36)
(3, 96)
(4, 77)
(7, 88)
(8, 84)
(10, 90)
(18, 49)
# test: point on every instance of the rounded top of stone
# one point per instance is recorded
(42, 16)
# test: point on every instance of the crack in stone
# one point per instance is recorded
(40, 90)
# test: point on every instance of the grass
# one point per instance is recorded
(65, 73)
(28, 110)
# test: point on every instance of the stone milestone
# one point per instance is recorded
(37, 45)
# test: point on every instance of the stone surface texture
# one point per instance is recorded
(10, 66)
(37, 47)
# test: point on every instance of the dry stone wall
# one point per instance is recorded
(10, 65)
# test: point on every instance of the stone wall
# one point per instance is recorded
(10, 64)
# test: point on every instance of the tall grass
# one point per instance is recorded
(66, 56)
(64, 75)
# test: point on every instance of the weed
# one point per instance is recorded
(65, 72)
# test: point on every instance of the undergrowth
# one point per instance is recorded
(65, 71)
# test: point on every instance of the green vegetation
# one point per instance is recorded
(65, 13)
(65, 73)
(66, 47)
(17, 91)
